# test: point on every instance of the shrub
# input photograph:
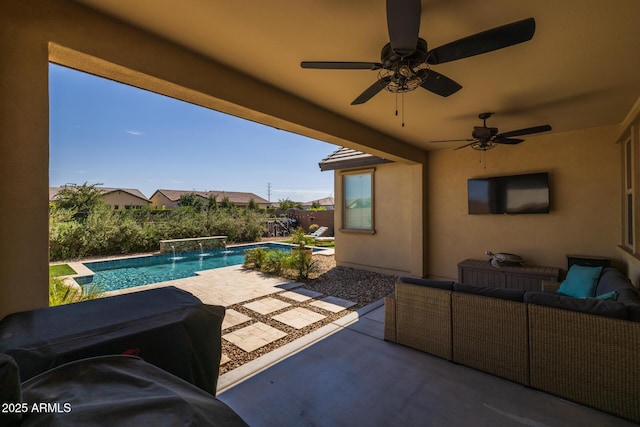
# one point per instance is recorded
(255, 257)
(60, 293)
(279, 262)
(275, 262)
(107, 232)
(303, 264)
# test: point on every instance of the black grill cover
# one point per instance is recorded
(121, 391)
(166, 327)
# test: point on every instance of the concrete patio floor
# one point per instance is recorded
(353, 377)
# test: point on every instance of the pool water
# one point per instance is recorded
(131, 272)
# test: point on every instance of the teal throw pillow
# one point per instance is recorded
(581, 282)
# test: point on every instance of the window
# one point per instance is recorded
(357, 201)
(629, 229)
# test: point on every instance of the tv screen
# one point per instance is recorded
(514, 194)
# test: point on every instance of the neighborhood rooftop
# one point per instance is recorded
(233, 196)
(53, 192)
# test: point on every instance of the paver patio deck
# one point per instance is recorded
(333, 304)
(233, 318)
(299, 317)
(301, 295)
(235, 285)
(267, 305)
(254, 336)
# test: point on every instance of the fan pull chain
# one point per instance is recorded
(396, 104)
(402, 109)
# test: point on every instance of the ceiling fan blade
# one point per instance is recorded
(502, 140)
(327, 65)
(486, 41)
(527, 131)
(466, 145)
(403, 22)
(372, 90)
(440, 84)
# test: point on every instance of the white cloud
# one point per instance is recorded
(135, 132)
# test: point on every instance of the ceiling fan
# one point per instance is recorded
(405, 61)
(484, 138)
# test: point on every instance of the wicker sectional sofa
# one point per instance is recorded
(582, 350)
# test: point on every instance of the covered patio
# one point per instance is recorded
(579, 74)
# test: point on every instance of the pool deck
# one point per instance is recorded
(286, 303)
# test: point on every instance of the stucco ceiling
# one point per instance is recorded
(580, 70)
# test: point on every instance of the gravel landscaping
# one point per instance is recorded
(359, 286)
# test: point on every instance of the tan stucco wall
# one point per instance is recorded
(122, 199)
(65, 32)
(584, 168)
(160, 201)
(396, 246)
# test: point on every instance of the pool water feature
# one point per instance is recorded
(131, 272)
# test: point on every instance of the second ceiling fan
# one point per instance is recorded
(484, 138)
(405, 61)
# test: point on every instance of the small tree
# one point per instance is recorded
(225, 203)
(191, 200)
(80, 198)
(253, 206)
(287, 203)
(212, 202)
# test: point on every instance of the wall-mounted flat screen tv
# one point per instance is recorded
(513, 194)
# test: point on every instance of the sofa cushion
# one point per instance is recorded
(438, 284)
(581, 281)
(612, 279)
(506, 294)
(595, 306)
(612, 295)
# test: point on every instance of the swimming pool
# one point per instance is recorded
(131, 272)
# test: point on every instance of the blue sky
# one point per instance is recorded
(120, 136)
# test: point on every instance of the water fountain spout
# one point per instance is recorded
(224, 243)
(173, 248)
(200, 244)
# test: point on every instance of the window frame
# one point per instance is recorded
(343, 177)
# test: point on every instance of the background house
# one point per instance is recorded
(326, 202)
(116, 198)
(168, 199)
(579, 74)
